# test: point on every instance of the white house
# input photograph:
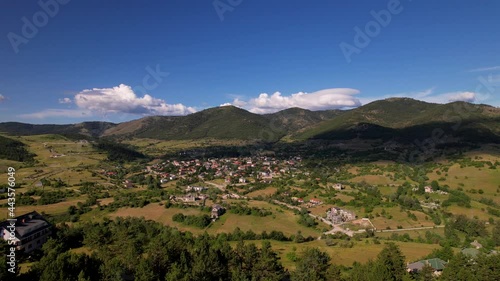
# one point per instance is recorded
(30, 231)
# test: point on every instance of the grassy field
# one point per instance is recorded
(319, 210)
(471, 177)
(361, 252)
(52, 209)
(160, 214)
(4, 164)
(344, 197)
(70, 168)
(387, 190)
(373, 179)
(399, 218)
(475, 211)
(413, 233)
(262, 192)
(160, 147)
(283, 220)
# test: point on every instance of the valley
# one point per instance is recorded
(346, 197)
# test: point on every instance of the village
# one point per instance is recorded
(326, 206)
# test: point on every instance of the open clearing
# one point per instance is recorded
(52, 209)
(263, 192)
(361, 252)
(160, 214)
(399, 218)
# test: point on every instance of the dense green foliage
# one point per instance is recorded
(242, 209)
(119, 152)
(135, 249)
(14, 150)
(145, 250)
(463, 268)
(457, 197)
(406, 119)
(200, 221)
(471, 227)
(74, 131)
(219, 123)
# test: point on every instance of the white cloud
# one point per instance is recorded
(423, 94)
(65, 100)
(481, 69)
(420, 95)
(455, 96)
(461, 96)
(48, 113)
(2, 98)
(104, 102)
(226, 104)
(321, 100)
(429, 96)
(122, 99)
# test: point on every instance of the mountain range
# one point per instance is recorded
(397, 119)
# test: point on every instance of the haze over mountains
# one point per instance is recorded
(399, 119)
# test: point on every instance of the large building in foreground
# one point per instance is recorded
(31, 231)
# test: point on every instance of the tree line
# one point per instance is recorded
(136, 249)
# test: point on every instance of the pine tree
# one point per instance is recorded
(312, 265)
(459, 269)
(495, 235)
(427, 273)
(392, 261)
(268, 267)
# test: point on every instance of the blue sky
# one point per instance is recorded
(120, 60)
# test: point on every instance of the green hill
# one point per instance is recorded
(14, 150)
(80, 130)
(407, 119)
(296, 119)
(226, 122)
(396, 119)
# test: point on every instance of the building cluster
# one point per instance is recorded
(190, 198)
(436, 264)
(232, 170)
(308, 203)
(217, 211)
(428, 189)
(338, 186)
(337, 215)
